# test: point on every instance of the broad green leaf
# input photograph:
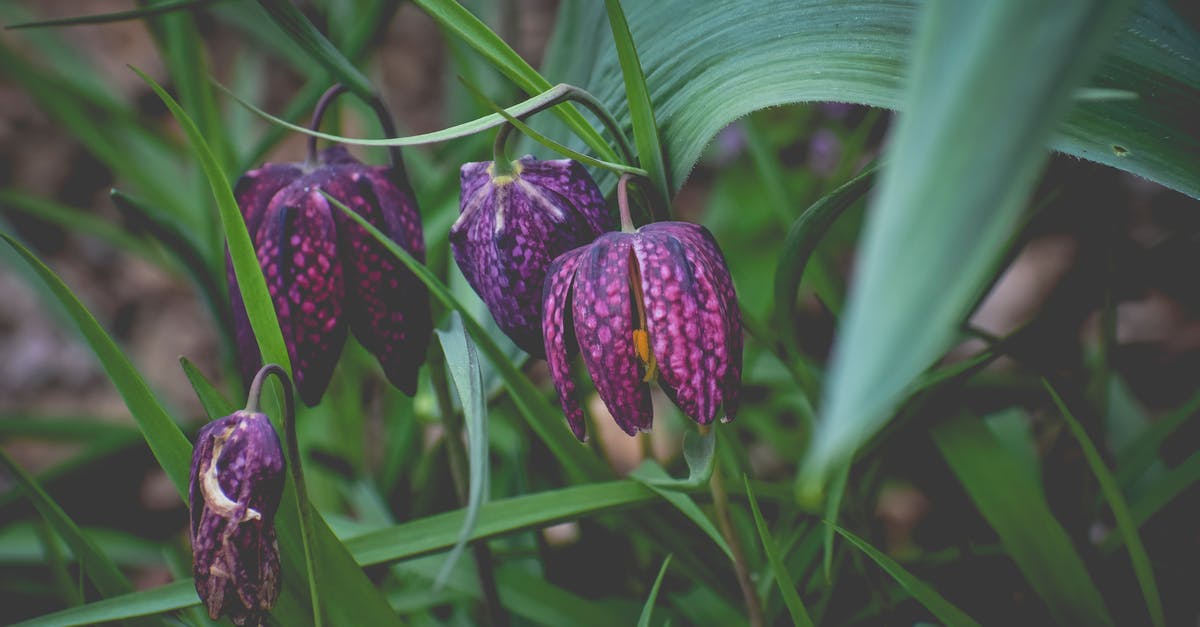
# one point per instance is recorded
(215, 404)
(710, 63)
(462, 360)
(170, 447)
(923, 592)
(259, 306)
(292, 21)
(787, 588)
(944, 209)
(641, 110)
(168, 6)
(1014, 504)
(648, 609)
(1125, 523)
(544, 420)
(459, 21)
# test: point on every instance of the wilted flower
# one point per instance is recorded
(326, 273)
(234, 491)
(513, 225)
(656, 303)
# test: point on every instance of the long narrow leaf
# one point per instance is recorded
(537, 412)
(292, 21)
(257, 299)
(462, 360)
(641, 110)
(1006, 493)
(118, 16)
(923, 592)
(459, 21)
(648, 608)
(167, 442)
(787, 588)
(1125, 523)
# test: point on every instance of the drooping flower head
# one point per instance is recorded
(234, 491)
(513, 225)
(326, 274)
(653, 304)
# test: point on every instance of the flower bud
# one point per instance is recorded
(513, 225)
(236, 483)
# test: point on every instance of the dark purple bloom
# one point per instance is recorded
(326, 274)
(657, 303)
(512, 226)
(234, 492)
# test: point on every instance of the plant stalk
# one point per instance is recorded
(303, 506)
(716, 485)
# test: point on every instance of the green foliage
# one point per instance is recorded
(924, 218)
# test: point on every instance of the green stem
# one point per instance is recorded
(303, 506)
(381, 112)
(716, 486)
(623, 203)
(457, 455)
(501, 165)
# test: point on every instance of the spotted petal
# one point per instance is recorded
(707, 373)
(253, 192)
(512, 227)
(387, 306)
(604, 313)
(559, 332)
(297, 250)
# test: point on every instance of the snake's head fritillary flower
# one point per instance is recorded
(511, 228)
(654, 304)
(326, 274)
(234, 491)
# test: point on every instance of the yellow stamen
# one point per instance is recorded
(641, 337)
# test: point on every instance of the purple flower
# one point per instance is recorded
(326, 274)
(512, 226)
(234, 491)
(657, 303)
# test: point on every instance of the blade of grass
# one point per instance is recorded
(215, 404)
(787, 588)
(833, 507)
(257, 299)
(459, 21)
(921, 591)
(1125, 523)
(641, 111)
(302, 31)
(531, 403)
(117, 16)
(100, 570)
(170, 447)
(462, 360)
(1007, 494)
(648, 608)
(400, 542)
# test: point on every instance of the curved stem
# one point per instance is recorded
(716, 485)
(623, 203)
(500, 162)
(327, 99)
(308, 537)
(585, 98)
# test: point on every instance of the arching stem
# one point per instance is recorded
(307, 536)
(381, 112)
(623, 203)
